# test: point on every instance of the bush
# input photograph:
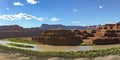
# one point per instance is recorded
(20, 45)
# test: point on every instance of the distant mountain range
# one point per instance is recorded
(59, 26)
(18, 31)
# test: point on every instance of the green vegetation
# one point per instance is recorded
(20, 40)
(90, 53)
(20, 45)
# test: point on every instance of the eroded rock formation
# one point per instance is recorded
(58, 37)
(108, 34)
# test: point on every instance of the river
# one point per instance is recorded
(39, 47)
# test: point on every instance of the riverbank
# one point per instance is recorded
(24, 54)
(18, 56)
(71, 54)
(43, 48)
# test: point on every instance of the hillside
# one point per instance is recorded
(17, 31)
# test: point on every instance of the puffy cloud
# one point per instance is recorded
(7, 9)
(20, 16)
(32, 1)
(100, 7)
(75, 10)
(18, 4)
(55, 19)
(29, 17)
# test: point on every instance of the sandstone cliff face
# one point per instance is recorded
(58, 37)
(108, 34)
(107, 37)
(111, 26)
(63, 37)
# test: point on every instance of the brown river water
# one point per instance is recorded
(39, 47)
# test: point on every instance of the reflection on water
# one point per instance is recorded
(39, 47)
(85, 48)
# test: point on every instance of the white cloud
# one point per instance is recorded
(75, 22)
(42, 19)
(29, 17)
(18, 4)
(55, 19)
(20, 16)
(32, 1)
(75, 10)
(7, 9)
(100, 7)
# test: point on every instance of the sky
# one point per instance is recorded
(34, 13)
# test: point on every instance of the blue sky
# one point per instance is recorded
(33, 13)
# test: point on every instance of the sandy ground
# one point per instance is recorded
(7, 56)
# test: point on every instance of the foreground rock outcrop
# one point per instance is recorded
(58, 37)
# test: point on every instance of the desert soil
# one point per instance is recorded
(17, 56)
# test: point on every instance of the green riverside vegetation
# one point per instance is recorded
(20, 45)
(90, 53)
(20, 40)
